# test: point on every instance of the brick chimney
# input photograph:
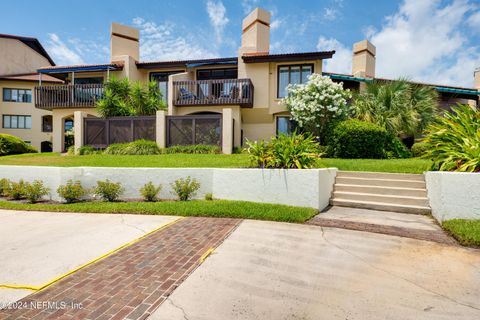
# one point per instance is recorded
(256, 32)
(363, 63)
(124, 41)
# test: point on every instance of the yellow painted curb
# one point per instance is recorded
(38, 288)
(206, 254)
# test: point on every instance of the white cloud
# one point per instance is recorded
(159, 42)
(423, 41)
(249, 5)
(61, 53)
(276, 24)
(218, 19)
(330, 14)
(474, 20)
(342, 59)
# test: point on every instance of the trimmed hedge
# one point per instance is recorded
(419, 149)
(13, 145)
(197, 149)
(355, 139)
(138, 147)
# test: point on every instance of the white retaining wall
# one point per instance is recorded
(454, 195)
(306, 188)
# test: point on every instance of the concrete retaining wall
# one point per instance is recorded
(453, 194)
(306, 188)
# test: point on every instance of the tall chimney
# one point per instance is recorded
(124, 41)
(476, 76)
(256, 32)
(363, 63)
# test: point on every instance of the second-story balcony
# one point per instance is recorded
(213, 92)
(65, 96)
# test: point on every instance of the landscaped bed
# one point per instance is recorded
(467, 232)
(194, 208)
(411, 165)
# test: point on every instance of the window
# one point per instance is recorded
(47, 123)
(208, 74)
(92, 80)
(285, 125)
(162, 80)
(17, 95)
(294, 74)
(17, 122)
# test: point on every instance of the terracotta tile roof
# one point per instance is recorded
(286, 57)
(116, 65)
(30, 77)
(181, 63)
(32, 43)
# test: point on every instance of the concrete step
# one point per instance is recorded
(392, 199)
(381, 206)
(381, 175)
(409, 192)
(398, 183)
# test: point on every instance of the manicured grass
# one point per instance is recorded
(204, 161)
(412, 165)
(196, 208)
(467, 232)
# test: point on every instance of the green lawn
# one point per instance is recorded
(205, 161)
(467, 232)
(195, 208)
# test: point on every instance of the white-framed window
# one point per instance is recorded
(16, 122)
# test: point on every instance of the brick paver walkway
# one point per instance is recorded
(428, 235)
(133, 282)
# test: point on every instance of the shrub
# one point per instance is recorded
(138, 147)
(13, 145)
(35, 191)
(4, 185)
(197, 149)
(357, 139)
(149, 191)
(209, 196)
(419, 149)
(185, 188)
(453, 143)
(16, 190)
(72, 191)
(85, 150)
(295, 151)
(395, 149)
(109, 191)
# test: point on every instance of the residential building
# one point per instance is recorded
(243, 91)
(20, 57)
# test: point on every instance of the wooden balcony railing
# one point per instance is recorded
(64, 96)
(213, 92)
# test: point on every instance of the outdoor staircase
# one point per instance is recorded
(396, 192)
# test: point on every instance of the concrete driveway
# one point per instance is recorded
(268, 270)
(36, 247)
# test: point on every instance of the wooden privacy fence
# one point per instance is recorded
(194, 129)
(100, 132)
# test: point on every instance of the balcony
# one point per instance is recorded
(213, 92)
(65, 96)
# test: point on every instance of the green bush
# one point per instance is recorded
(355, 139)
(4, 186)
(185, 188)
(197, 149)
(209, 196)
(85, 150)
(295, 151)
(395, 149)
(138, 147)
(453, 143)
(419, 149)
(109, 191)
(16, 190)
(149, 191)
(35, 191)
(72, 191)
(13, 145)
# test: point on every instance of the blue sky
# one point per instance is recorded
(434, 41)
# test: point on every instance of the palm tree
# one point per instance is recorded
(403, 108)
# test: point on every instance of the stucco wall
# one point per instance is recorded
(454, 195)
(306, 188)
(17, 57)
(35, 134)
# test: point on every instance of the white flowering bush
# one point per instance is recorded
(316, 102)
